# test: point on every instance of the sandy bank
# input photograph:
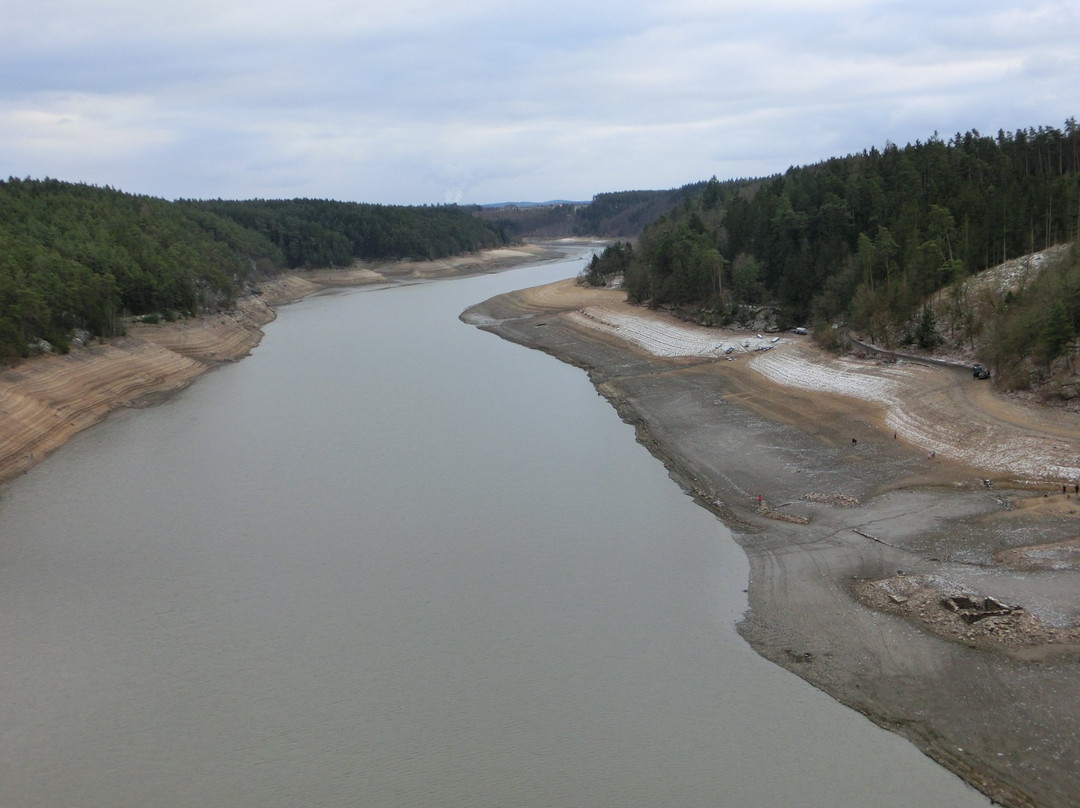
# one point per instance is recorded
(46, 400)
(912, 554)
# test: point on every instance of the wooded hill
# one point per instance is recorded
(863, 240)
(78, 257)
(621, 214)
(868, 238)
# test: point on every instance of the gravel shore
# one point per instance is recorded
(931, 590)
(913, 551)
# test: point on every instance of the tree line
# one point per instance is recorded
(864, 238)
(76, 257)
(614, 214)
(320, 233)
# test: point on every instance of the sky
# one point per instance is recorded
(483, 101)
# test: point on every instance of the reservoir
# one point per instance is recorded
(392, 560)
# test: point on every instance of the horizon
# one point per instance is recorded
(563, 201)
(470, 101)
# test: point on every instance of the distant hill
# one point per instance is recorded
(549, 204)
(622, 214)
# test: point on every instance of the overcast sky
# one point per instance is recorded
(474, 101)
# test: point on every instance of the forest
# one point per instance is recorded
(867, 239)
(79, 258)
(608, 215)
(863, 240)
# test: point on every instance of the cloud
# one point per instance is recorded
(481, 100)
(73, 130)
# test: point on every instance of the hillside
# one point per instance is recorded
(865, 240)
(622, 214)
(47, 399)
(78, 261)
(862, 240)
(870, 234)
(1003, 318)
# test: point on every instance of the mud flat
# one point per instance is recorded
(46, 400)
(913, 552)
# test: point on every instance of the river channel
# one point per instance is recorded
(391, 560)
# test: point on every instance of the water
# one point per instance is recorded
(391, 560)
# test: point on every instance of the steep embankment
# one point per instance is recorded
(45, 401)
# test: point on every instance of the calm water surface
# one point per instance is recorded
(392, 560)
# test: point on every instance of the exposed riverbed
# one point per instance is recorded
(391, 560)
(903, 582)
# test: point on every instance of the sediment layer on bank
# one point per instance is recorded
(847, 519)
(46, 400)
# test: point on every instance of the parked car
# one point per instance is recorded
(979, 372)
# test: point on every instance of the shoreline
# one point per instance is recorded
(47, 400)
(861, 537)
(839, 520)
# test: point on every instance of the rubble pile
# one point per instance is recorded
(946, 609)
